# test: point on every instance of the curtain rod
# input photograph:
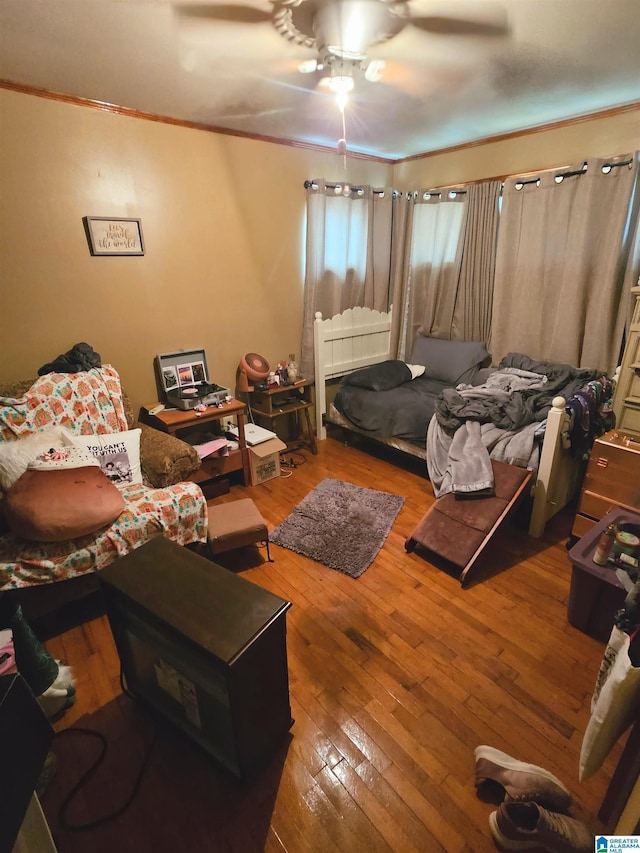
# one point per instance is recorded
(606, 168)
(357, 190)
(426, 194)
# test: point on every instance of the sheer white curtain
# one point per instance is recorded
(443, 277)
(563, 250)
(435, 254)
(348, 254)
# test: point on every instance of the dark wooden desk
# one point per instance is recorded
(204, 648)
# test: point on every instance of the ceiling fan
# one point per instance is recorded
(343, 31)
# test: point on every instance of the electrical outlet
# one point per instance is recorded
(227, 423)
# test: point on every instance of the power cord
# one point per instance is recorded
(289, 461)
(65, 823)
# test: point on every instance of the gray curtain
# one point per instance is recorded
(348, 254)
(563, 251)
(474, 302)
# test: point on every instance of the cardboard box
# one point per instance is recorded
(264, 460)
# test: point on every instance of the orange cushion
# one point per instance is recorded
(61, 504)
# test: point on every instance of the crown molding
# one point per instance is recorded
(193, 125)
(611, 112)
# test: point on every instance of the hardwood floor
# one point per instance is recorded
(395, 678)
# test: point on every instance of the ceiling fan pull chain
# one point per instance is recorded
(342, 143)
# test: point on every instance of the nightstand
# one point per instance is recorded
(292, 401)
(612, 479)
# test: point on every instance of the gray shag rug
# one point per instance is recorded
(339, 525)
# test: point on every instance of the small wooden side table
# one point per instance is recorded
(293, 401)
(175, 421)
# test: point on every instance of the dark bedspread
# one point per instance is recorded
(521, 407)
(403, 412)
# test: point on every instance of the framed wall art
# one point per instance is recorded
(114, 236)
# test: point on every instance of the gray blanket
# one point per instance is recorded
(461, 463)
(516, 406)
(497, 420)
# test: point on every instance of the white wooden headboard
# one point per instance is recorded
(356, 338)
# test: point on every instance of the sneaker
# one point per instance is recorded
(499, 777)
(523, 826)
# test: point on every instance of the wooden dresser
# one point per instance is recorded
(626, 402)
(612, 479)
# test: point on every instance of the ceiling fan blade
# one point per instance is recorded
(453, 26)
(224, 12)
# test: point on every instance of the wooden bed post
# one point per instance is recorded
(557, 471)
(321, 388)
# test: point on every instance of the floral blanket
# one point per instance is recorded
(91, 402)
(87, 402)
(178, 512)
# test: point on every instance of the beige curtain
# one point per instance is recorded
(348, 254)
(563, 246)
(472, 312)
(400, 242)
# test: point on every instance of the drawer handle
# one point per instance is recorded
(602, 462)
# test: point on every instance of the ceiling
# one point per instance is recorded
(553, 59)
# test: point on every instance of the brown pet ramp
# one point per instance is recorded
(458, 529)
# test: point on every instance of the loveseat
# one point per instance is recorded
(157, 498)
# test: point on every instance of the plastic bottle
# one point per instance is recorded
(292, 368)
(605, 544)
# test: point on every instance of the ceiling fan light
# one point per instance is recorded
(341, 84)
(373, 71)
(341, 100)
(346, 55)
(309, 66)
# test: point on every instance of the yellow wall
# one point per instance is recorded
(223, 224)
(546, 149)
(222, 220)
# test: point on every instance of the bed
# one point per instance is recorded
(572, 408)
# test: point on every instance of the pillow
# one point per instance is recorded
(416, 370)
(16, 455)
(380, 377)
(64, 457)
(56, 505)
(118, 454)
(449, 361)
